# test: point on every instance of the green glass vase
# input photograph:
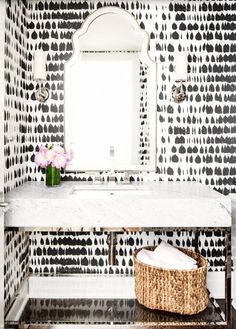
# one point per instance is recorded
(53, 176)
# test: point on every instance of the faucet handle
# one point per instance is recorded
(96, 176)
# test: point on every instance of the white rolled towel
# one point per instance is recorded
(146, 256)
(166, 252)
(168, 262)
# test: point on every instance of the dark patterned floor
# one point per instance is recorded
(56, 315)
(233, 325)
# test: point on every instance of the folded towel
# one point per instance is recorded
(148, 257)
(165, 252)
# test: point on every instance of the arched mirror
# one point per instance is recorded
(110, 95)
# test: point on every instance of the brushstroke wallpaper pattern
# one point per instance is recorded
(16, 128)
(195, 140)
(54, 253)
(16, 265)
(16, 111)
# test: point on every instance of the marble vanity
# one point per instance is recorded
(82, 207)
(144, 205)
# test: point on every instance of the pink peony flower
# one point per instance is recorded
(41, 160)
(50, 155)
(59, 161)
(58, 149)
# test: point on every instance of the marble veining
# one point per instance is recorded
(168, 204)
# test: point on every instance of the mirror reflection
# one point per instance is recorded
(110, 95)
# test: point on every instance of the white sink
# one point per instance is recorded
(109, 190)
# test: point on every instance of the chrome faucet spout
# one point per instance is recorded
(112, 158)
(112, 177)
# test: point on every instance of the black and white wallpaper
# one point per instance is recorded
(196, 139)
(16, 265)
(53, 253)
(17, 118)
(16, 112)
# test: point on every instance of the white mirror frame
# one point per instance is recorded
(152, 86)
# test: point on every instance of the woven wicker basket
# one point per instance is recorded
(177, 291)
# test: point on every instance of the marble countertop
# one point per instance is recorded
(3, 207)
(151, 204)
